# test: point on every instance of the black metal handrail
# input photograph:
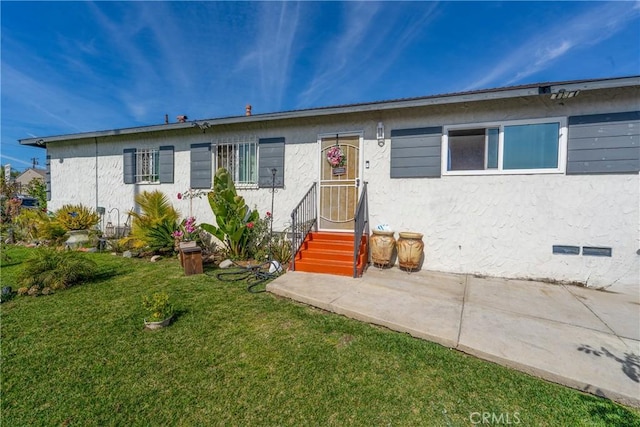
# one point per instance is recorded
(304, 217)
(361, 226)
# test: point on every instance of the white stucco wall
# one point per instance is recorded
(495, 225)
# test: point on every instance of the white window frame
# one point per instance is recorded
(154, 153)
(562, 147)
(234, 143)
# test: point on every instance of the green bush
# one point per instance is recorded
(27, 224)
(76, 217)
(52, 232)
(33, 224)
(54, 269)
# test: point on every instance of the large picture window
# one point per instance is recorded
(511, 147)
(240, 158)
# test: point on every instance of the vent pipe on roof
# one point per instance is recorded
(247, 110)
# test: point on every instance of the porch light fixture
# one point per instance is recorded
(380, 134)
(564, 94)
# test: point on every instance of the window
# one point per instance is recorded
(147, 165)
(536, 146)
(240, 158)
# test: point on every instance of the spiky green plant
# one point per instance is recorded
(160, 238)
(76, 217)
(58, 270)
(233, 218)
(153, 225)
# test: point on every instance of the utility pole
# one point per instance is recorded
(34, 162)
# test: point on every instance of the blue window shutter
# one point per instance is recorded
(415, 153)
(47, 177)
(604, 143)
(166, 164)
(271, 156)
(201, 168)
(129, 165)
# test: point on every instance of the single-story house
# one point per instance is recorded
(536, 181)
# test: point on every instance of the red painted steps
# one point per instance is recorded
(331, 253)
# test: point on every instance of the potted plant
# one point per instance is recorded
(158, 310)
(77, 220)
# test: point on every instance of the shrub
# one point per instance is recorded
(52, 232)
(57, 270)
(33, 224)
(76, 217)
(28, 223)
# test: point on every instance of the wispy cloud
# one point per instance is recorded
(15, 160)
(366, 48)
(270, 53)
(23, 90)
(550, 44)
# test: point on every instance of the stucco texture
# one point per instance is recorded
(495, 225)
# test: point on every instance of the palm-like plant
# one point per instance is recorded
(153, 226)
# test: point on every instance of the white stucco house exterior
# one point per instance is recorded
(537, 181)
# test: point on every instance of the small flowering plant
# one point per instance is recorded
(187, 231)
(336, 157)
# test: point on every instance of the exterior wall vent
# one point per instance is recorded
(566, 250)
(593, 251)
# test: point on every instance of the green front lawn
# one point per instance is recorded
(81, 357)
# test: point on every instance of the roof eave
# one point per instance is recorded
(480, 95)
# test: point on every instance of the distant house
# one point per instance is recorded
(25, 177)
(536, 181)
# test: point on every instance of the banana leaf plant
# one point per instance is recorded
(234, 219)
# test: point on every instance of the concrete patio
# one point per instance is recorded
(578, 337)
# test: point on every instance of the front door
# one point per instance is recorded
(339, 181)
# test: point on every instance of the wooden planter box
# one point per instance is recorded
(191, 259)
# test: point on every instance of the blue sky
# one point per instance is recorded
(69, 67)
